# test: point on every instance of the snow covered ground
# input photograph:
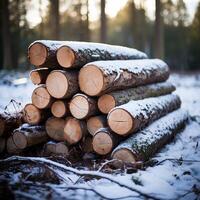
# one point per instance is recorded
(175, 175)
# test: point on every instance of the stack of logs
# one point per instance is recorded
(106, 99)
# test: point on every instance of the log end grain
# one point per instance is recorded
(65, 57)
(55, 128)
(91, 80)
(62, 148)
(74, 130)
(35, 77)
(124, 155)
(31, 114)
(57, 84)
(79, 106)
(11, 146)
(59, 109)
(37, 54)
(41, 97)
(20, 140)
(120, 121)
(105, 103)
(102, 143)
(96, 122)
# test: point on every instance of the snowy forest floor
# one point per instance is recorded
(173, 173)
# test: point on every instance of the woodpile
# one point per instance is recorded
(103, 99)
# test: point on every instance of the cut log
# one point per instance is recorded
(41, 97)
(62, 84)
(77, 54)
(106, 76)
(95, 123)
(110, 100)
(33, 116)
(27, 136)
(55, 128)
(39, 76)
(104, 141)
(144, 144)
(11, 146)
(42, 53)
(56, 148)
(74, 130)
(86, 145)
(60, 108)
(81, 106)
(2, 144)
(9, 122)
(130, 117)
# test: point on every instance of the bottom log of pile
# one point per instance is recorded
(11, 146)
(9, 122)
(2, 144)
(56, 148)
(27, 136)
(145, 143)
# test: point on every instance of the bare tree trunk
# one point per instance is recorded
(103, 31)
(87, 22)
(7, 49)
(159, 32)
(55, 19)
(41, 23)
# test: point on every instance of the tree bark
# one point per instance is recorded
(86, 145)
(107, 76)
(39, 76)
(144, 144)
(103, 29)
(8, 62)
(27, 136)
(9, 122)
(131, 117)
(55, 128)
(95, 123)
(159, 32)
(110, 100)
(62, 84)
(81, 106)
(104, 141)
(2, 144)
(74, 130)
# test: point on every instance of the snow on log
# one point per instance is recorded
(110, 100)
(9, 122)
(55, 128)
(27, 136)
(144, 144)
(60, 108)
(96, 122)
(81, 106)
(2, 144)
(101, 77)
(104, 141)
(11, 146)
(130, 117)
(33, 115)
(39, 76)
(41, 97)
(77, 54)
(62, 84)
(74, 130)
(56, 148)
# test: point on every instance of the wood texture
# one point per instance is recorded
(130, 117)
(144, 144)
(74, 130)
(55, 128)
(108, 76)
(11, 146)
(60, 108)
(96, 122)
(2, 144)
(39, 76)
(27, 136)
(110, 100)
(81, 106)
(62, 84)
